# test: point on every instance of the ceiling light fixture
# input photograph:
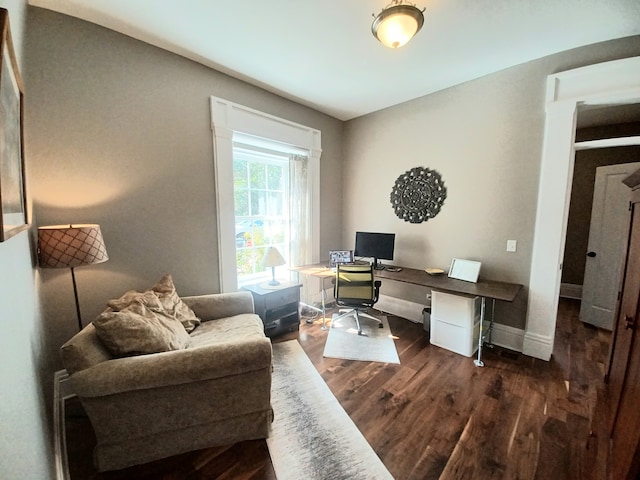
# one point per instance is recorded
(397, 23)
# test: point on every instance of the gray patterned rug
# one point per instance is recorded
(312, 437)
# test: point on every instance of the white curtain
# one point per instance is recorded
(299, 220)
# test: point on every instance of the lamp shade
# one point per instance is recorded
(397, 24)
(69, 246)
(272, 258)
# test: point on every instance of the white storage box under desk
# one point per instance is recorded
(455, 322)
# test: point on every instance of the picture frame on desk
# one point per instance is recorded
(340, 256)
(467, 270)
(13, 205)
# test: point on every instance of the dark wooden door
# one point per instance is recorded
(624, 376)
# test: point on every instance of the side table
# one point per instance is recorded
(277, 306)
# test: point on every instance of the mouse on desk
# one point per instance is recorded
(394, 269)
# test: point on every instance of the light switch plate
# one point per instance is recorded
(511, 245)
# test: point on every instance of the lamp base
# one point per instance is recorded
(273, 282)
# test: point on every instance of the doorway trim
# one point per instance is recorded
(609, 83)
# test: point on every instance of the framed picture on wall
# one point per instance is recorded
(13, 217)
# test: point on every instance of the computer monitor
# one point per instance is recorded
(378, 246)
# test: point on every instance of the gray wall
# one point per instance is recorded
(25, 374)
(117, 132)
(485, 138)
(120, 135)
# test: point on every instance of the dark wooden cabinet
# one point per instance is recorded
(623, 376)
(278, 307)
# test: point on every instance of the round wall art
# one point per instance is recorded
(418, 195)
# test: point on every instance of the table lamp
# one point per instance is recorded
(70, 246)
(273, 259)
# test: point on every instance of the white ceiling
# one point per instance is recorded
(321, 53)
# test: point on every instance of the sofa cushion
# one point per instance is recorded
(245, 327)
(125, 300)
(173, 304)
(141, 327)
(84, 350)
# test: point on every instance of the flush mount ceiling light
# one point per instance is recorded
(397, 23)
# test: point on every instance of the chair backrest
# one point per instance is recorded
(355, 286)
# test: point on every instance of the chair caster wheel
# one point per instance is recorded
(380, 326)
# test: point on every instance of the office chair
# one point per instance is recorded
(355, 288)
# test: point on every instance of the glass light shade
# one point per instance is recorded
(396, 25)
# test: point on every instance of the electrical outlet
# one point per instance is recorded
(511, 245)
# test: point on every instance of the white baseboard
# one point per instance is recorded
(402, 308)
(537, 346)
(506, 336)
(61, 391)
(570, 290)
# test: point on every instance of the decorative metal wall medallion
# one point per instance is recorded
(418, 195)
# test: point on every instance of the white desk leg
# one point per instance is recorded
(324, 310)
(478, 362)
(493, 313)
(305, 304)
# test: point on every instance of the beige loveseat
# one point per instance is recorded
(215, 390)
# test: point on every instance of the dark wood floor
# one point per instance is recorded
(434, 416)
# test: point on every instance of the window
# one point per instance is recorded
(261, 207)
(259, 144)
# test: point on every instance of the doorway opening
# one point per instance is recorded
(598, 211)
(605, 84)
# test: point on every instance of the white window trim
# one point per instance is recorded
(609, 83)
(226, 118)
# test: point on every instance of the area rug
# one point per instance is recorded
(374, 345)
(312, 437)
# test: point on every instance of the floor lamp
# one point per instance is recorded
(71, 246)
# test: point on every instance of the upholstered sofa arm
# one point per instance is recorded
(173, 368)
(220, 305)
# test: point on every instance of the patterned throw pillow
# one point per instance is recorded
(140, 327)
(173, 304)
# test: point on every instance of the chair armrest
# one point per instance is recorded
(376, 292)
(220, 305)
(173, 368)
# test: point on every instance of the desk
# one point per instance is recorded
(483, 288)
(321, 271)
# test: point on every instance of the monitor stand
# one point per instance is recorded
(377, 265)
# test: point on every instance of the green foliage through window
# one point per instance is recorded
(261, 207)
